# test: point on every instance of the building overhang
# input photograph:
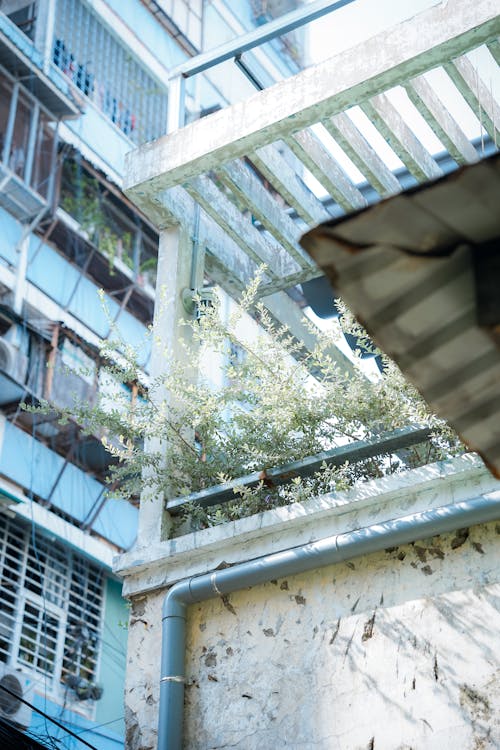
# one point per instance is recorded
(421, 272)
(22, 60)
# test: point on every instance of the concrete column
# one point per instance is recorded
(44, 31)
(22, 264)
(175, 258)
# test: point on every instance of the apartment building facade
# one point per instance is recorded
(82, 82)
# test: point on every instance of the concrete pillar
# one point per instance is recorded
(22, 250)
(175, 273)
(44, 31)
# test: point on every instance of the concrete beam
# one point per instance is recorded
(288, 184)
(440, 120)
(262, 249)
(364, 156)
(494, 48)
(318, 160)
(477, 95)
(401, 138)
(231, 267)
(252, 194)
(430, 38)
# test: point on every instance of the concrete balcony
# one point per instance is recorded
(20, 57)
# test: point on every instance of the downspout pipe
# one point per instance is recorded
(289, 562)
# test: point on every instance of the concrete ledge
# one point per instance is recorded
(148, 568)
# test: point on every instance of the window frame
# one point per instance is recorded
(93, 602)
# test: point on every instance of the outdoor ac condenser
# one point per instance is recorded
(11, 708)
(12, 361)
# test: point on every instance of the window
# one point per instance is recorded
(100, 66)
(74, 358)
(51, 606)
(35, 165)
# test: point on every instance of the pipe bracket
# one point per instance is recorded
(214, 584)
(173, 678)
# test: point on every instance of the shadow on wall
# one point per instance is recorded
(394, 650)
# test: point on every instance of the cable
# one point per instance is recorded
(41, 571)
(98, 726)
(46, 716)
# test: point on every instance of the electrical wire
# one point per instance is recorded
(98, 726)
(47, 717)
(33, 535)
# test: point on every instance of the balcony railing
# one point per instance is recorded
(28, 145)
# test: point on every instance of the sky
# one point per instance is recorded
(358, 21)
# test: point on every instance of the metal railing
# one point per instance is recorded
(355, 452)
(106, 72)
(235, 48)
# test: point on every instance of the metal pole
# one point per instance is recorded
(260, 35)
(176, 103)
(10, 124)
(30, 153)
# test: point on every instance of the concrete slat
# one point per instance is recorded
(283, 178)
(476, 94)
(318, 160)
(401, 138)
(253, 195)
(440, 120)
(259, 247)
(364, 156)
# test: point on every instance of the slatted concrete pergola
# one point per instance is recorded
(209, 162)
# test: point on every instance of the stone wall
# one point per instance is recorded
(395, 650)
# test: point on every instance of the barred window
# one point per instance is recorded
(100, 66)
(51, 603)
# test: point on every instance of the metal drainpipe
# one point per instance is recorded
(333, 549)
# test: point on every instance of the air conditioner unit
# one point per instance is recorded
(12, 361)
(18, 686)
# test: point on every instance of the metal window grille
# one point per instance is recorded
(83, 623)
(100, 66)
(51, 605)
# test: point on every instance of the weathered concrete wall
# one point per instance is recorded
(393, 651)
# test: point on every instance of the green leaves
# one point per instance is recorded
(237, 402)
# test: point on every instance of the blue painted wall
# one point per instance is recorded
(154, 36)
(60, 280)
(112, 144)
(35, 467)
(113, 659)
(101, 737)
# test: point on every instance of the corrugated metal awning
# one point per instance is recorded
(421, 272)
